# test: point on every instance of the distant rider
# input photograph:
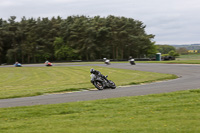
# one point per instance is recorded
(17, 64)
(107, 61)
(47, 63)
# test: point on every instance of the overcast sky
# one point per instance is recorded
(171, 21)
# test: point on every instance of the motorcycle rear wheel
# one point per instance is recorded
(98, 85)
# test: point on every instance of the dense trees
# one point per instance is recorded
(182, 50)
(76, 37)
(167, 50)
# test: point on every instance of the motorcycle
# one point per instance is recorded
(107, 62)
(47, 63)
(132, 62)
(17, 64)
(101, 82)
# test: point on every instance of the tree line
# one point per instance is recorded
(74, 38)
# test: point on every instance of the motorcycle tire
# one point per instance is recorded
(132, 63)
(98, 85)
(112, 84)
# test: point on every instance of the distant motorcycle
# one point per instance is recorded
(47, 63)
(101, 82)
(106, 61)
(17, 64)
(132, 61)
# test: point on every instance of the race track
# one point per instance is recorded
(189, 76)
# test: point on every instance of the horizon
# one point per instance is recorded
(179, 44)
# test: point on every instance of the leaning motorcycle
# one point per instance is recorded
(107, 62)
(49, 64)
(18, 65)
(101, 82)
(132, 62)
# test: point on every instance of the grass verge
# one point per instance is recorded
(182, 59)
(173, 62)
(31, 81)
(176, 112)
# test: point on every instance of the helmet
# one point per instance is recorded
(92, 70)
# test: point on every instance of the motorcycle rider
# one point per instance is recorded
(107, 61)
(47, 63)
(103, 79)
(17, 64)
(132, 61)
(95, 72)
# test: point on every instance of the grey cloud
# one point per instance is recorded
(172, 21)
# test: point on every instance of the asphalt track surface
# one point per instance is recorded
(189, 76)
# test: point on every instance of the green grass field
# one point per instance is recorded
(189, 57)
(176, 112)
(31, 81)
(173, 61)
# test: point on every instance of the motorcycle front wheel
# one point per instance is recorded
(112, 84)
(98, 85)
